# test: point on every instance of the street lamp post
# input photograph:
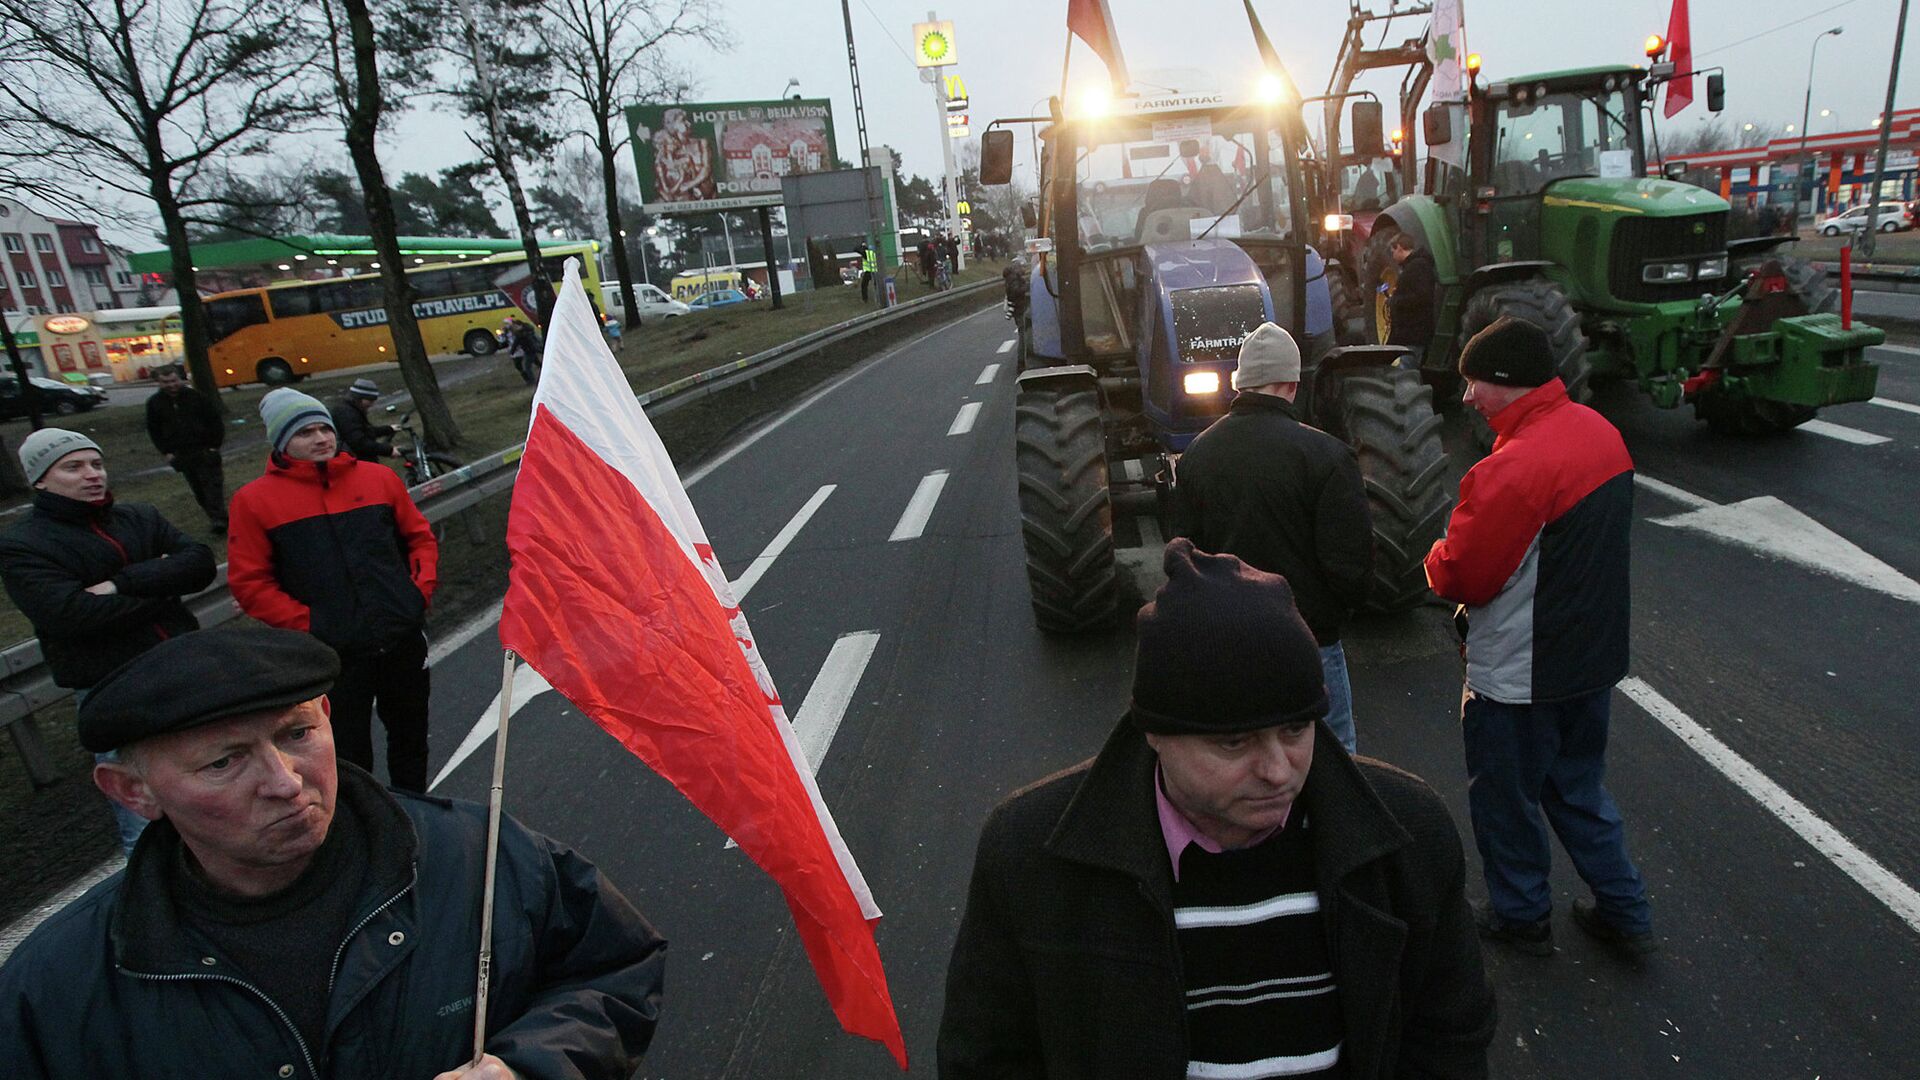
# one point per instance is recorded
(1813, 54)
(1871, 236)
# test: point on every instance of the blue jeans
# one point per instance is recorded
(1529, 761)
(1333, 667)
(129, 823)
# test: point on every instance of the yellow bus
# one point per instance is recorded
(280, 333)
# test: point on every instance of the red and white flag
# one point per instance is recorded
(1092, 20)
(616, 599)
(1680, 46)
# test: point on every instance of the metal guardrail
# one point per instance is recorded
(1881, 278)
(26, 686)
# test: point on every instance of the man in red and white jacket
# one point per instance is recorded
(334, 546)
(1537, 555)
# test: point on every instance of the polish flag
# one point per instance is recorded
(1680, 46)
(1092, 20)
(616, 599)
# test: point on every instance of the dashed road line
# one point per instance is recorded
(963, 420)
(1843, 433)
(1897, 895)
(1909, 350)
(987, 374)
(832, 691)
(1005, 346)
(751, 575)
(913, 521)
(1889, 403)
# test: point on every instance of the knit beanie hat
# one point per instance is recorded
(42, 449)
(286, 411)
(1510, 351)
(364, 388)
(1268, 355)
(1221, 649)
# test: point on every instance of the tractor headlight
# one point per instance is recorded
(1665, 273)
(1715, 267)
(1199, 383)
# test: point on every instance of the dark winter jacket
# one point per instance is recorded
(1415, 295)
(1537, 549)
(118, 984)
(183, 424)
(335, 548)
(1286, 498)
(64, 546)
(1066, 965)
(359, 436)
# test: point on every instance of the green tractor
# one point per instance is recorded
(1554, 219)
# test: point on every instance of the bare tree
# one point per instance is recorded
(143, 95)
(361, 102)
(612, 54)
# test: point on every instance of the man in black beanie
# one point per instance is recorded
(1536, 554)
(1133, 915)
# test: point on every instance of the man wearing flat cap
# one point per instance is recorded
(286, 916)
(1536, 554)
(1222, 891)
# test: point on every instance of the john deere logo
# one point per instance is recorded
(1699, 228)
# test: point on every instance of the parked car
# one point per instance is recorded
(1891, 218)
(60, 398)
(717, 298)
(654, 303)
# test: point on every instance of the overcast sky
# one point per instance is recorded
(1010, 50)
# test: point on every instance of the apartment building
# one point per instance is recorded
(52, 265)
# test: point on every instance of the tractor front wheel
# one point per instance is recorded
(1350, 311)
(1541, 303)
(1066, 515)
(1386, 415)
(1741, 414)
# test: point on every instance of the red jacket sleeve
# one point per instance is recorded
(1493, 525)
(423, 551)
(250, 569)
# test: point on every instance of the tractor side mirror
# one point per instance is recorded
(1369, 129)
(1436, 125)
(1028, 216)
(1716, 92)
(996, 156)
(1674, 170)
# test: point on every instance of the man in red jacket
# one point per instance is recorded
(1536, 553)
(333, 546)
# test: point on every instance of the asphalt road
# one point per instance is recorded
(1778, 961)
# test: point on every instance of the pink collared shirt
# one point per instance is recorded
(1178, 831)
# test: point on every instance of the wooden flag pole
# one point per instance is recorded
(493, 856)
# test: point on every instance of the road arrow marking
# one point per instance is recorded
(963, 420)
(1844, 434)
(749, 577)
(1770, 527)
(527, 685)
(1863, 868)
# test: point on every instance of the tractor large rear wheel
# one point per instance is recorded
(1386, 415)
(1541, 303)
(1066, 516)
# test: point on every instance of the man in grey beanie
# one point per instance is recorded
(1286, 498)
(100, 581)
(362, 437)
(1132, 915)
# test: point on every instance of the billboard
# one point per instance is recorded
(726, 155)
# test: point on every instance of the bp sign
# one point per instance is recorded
(933, 44)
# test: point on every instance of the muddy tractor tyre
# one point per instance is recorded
(1386, 415)
(1541, 303)
(1350, 313)
(1066, 515)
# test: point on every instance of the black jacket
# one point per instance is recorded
(184, 423)
(64, 546)
(118, 985)
(1286, 498)
(363, 439)
(1415, 294)
(1066, 965)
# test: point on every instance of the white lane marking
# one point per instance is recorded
(1771, 527)
(1889, 403)
(465, 633)
(1005, 346)
(1679, 495)
(750, 576)
(1842, 433)
(527, 685)
(920, 508)
(987, 374)
(1897, 895)
(12, 936)
(827, 699)
(1907, 349)
(963, 420)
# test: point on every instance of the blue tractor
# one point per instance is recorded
(1169, 228)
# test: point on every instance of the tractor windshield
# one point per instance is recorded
(1146, 179)
(1544, 137)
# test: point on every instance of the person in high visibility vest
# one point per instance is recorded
(868, 264)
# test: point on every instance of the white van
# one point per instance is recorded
(654, 304)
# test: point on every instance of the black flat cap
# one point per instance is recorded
(198, 678)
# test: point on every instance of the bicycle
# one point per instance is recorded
(942, 278)
(421, 463)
